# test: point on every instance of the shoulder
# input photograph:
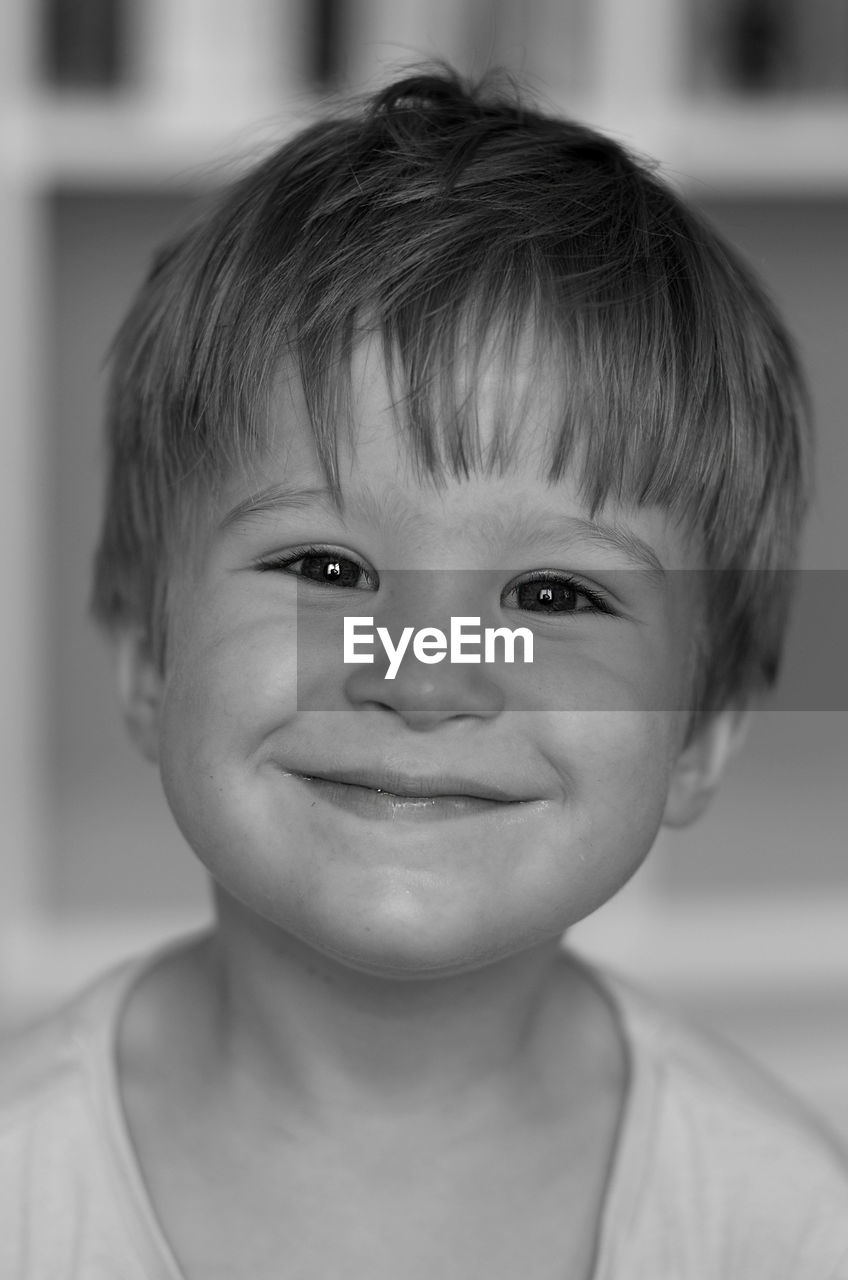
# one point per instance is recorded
(57, 1197)
(46, 1061)
(721, 1160)
(721, 1086)
(71, 1052)
(54, 1100)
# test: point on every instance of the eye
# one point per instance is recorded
(326, 566)
(550, 592)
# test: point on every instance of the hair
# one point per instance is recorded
(447, 217)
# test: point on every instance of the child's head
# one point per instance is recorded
(452, 221)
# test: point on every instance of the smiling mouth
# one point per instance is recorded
(410, 798)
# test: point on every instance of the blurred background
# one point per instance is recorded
(115, 116)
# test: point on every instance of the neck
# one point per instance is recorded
(296, 1024)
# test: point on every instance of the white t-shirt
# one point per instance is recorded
(716, 1175)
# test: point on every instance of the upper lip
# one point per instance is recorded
(415, 785)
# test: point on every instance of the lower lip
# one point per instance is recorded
(368, 803)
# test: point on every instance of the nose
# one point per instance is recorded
(426, 696)
(429, 693)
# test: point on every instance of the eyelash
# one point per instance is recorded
(599, 604)
(286, 563)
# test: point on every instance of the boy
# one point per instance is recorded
(439, 365)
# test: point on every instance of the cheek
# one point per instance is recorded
(635, 757)
(615, 769)
(218, 710)
(228, 688)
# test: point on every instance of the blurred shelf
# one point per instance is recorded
(765, 147)
(127, 142)
(781, 147)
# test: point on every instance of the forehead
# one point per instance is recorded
(506, 498)
(496, 394)
(485, 383)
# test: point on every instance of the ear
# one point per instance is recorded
(701, 763)
(140, 690)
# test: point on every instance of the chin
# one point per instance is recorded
(409, 964)
(412, 945)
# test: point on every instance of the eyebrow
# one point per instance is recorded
(566, 531)
(612, 537)
(282, 496)
(563, 530)
(275, 497)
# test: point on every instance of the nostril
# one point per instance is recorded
(425, 696)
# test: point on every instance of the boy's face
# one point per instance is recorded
(522, 805)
